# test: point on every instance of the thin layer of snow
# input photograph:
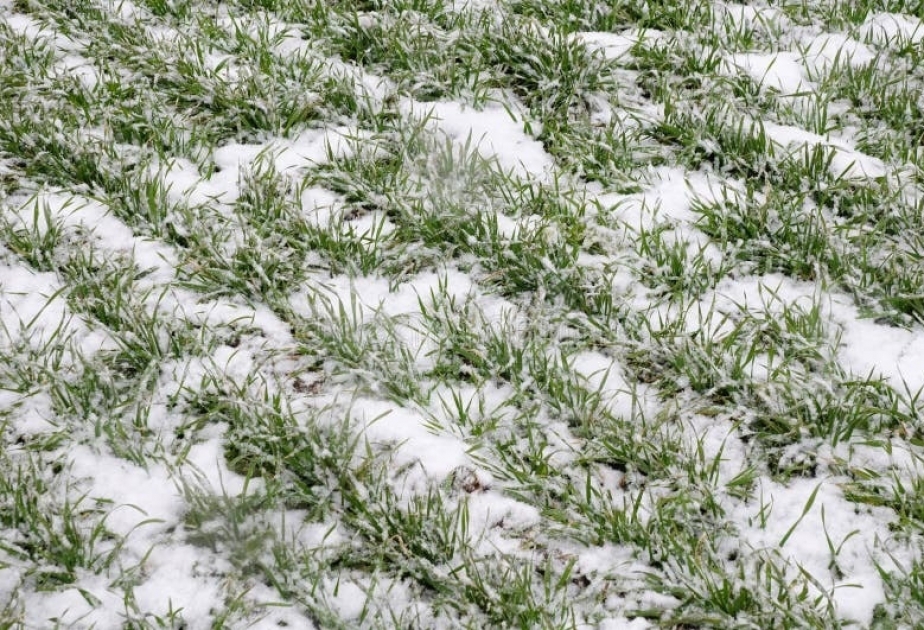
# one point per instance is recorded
(622, 623)
(365, 297)
(161, 35)
(427, 457)
(488, 401)
(347, 598)
(866, 347)
(670, 197)
(210, 470)
(80, 67)
(70, 607)
(145, 501)
(369, 87)
(182, 576)
(126, 10)
(493, 517)
(28, 27)
(290, 157)
(428, 446)
(225, 312)
(768, 294)
(365, 300)
(472, 5)
(33, 413)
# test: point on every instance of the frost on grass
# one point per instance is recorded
(460, 314)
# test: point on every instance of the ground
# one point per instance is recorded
(486, 314)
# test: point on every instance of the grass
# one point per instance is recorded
(360, 366)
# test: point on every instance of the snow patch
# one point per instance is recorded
(826, 53)
(780, 72)
(752, 16)
(496, 132)
(145, 500)
(604, 375)
(671, 196)
(868, 348)
(614, 46)
(428, 457)
(892, 29)
(846, 162)
(180, 576)
(289, 157)
(33, 311)
(49, 209)
(856, 534)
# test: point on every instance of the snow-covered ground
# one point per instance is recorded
(461, 314)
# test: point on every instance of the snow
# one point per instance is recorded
(603, 375)
(363, 301)
(670, 196)
(181, 577)
(321, 205)
(33, 312)
(125, 10)
(27, 26)
(271, 331)
(49, 209)
(472, 5)
(207, 460)
(869, 348)
(70, 608)
(495, 132)
(493, 518)
(847, 162)
(614, 46)
(80, 67)
(373, 295)
(828, 52)
(290, 157)
(621, 623)
(831, 518)
(781, 72)
(427, 444)
(892, 29)
(34, 412)
(866, 347)
(347, 598)
(368, 87)
(431, 457)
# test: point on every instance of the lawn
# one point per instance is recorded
(461, 314)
